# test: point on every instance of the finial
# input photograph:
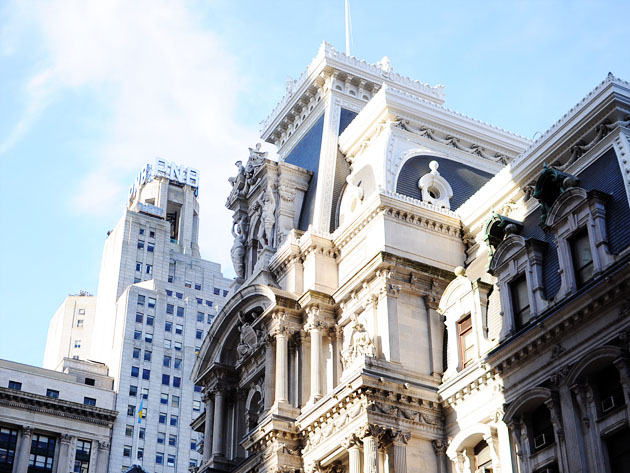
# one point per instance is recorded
(434, 165)
(460, 271)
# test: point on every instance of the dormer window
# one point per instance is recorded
(466, 339)
(582, 257)
(434, 188)
(520, 301)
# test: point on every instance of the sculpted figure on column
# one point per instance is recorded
(267, 217)
(360, 343)
(239, 232)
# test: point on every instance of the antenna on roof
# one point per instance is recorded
(348, 28)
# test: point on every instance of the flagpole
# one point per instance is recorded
(347, 29)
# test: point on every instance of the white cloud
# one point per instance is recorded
(171, 88)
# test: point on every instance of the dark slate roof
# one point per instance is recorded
(136, 469)
(465, 180)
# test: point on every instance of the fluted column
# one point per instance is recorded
(102, 458)
(270, 368)
(282, 379)
(217, 433)
(370, 454)
(440, 447)
(354, 458)
(316, 362)
(399, 451)
(519, 433)
(208, 427)
(26, 439)
(64, 450)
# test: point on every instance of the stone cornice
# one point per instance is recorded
(11, 398)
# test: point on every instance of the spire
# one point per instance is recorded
(348, 28)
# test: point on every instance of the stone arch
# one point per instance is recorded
(593, 360)
(467, 438)
(399, 161)
(506, 250)
(565, 203)
(531, 398)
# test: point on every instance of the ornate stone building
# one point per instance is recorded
(418, 292)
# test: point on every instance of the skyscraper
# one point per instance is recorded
(156, 299)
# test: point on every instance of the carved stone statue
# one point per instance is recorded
(239, 182)
(255, 161)
(360, 344)
(239, 232)
(248, 341)
(267, 217)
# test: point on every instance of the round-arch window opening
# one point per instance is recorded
(434, 192)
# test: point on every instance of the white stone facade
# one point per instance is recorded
(383, 321)
(70, 412)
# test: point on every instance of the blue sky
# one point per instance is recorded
(90, 91)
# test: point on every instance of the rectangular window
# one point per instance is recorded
(161, 437)
(140, 454)
(168, 326)
(200, 316)
(179, 295)
(179, 329)
(131, 410)
(149, 269)
(42, 453)
(77, 344)
(174, 401)
(147, 355)
(150, 320)
(137, 335)
(146, 374)
(162, 418)
(170, 308)
(166, 379)
(209, 303)
(198, 287)
(135, 371)
(166, 361)
(174, 420)
(151, 234)
(139, 317)
(582, 258)
(141, 299)
(127, 451)
(136, 280)
(197, 388)
(138, 265)
(199, 300)
(520, 301)
(177, 382)
(172, 440)
(82, 456)
(141, 231)
(136, 351)
(145, 393)
(180, 311)
(193, 445)
(150, 247)
(163, 397)
(52, 393)
(80, 323)
(133, 390)
(167, 343)
(89, 401)
(177, 346)
(225, 293)
(129, 431)
(169, 292)
(170, 460)
(159, 458)
(178, 363)
(196, 405)
(170, 278)
(148, 337)
(210, 318)
(140, 244)
(217, 291)
(141, 433)
(89, 381)
(199, 334)
(465, 336)
(187, 284)
(81, 311)
(151, 303)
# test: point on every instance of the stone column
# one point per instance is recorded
(305, 367)
(270, 368)
(316, 362)
(208, 427)
(282, 381)
(370, 454)
(399, 451)
(337, 335)
(573, 435)
(440, 447)
(553, 404)
(219, 413)
(387, 319)
(354, 458)
(64, 452)
(24, 448)
(623, 367)
(102, 458)
(584, 396)
(519, 433)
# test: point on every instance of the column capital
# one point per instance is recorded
(440, 446)
(27, 431)
(351, 441)
(400, 438)
(65, 439)
(103, 445)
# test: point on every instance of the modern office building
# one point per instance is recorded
(418, 291)
(156, 300)
(55, 421)
(70, 330)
